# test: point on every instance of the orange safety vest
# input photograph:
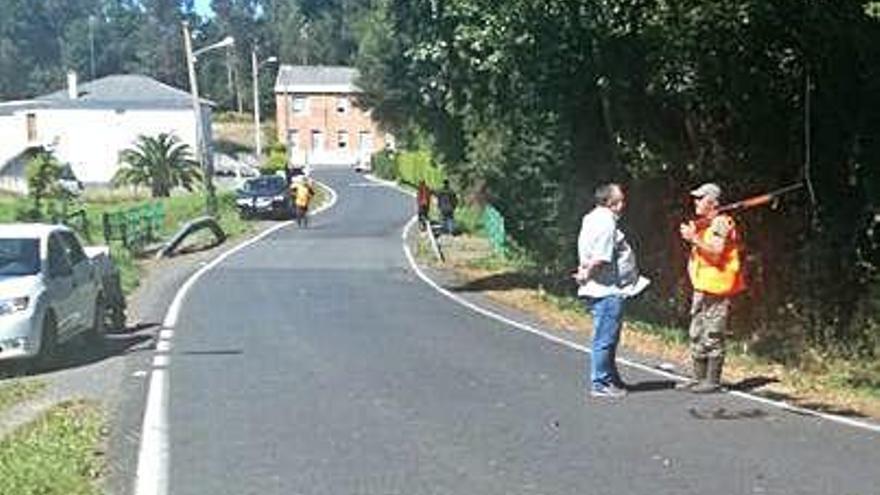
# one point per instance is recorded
(724, 276)
(303, 194)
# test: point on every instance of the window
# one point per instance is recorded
(59, 265)
(19, 256)
(300, 104)
(293, 139)
(343, 139)
(317, 140)
(72, 248)
(31, 127)
(342, 104)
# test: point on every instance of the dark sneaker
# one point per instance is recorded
(610, 391)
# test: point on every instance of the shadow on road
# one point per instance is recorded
(81, 351)
(751, 383)
(650, 386)
(721, 413)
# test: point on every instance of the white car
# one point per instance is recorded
(50, 291)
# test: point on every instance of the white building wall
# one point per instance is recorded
(92, 140)
(13, 136)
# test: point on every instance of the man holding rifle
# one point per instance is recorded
(715, 271)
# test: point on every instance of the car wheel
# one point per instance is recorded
(48, 342)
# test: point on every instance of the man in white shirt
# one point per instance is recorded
(607, 273)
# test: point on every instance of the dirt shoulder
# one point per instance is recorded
(465, 271)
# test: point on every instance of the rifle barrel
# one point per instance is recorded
(761, 199)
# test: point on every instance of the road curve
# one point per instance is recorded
(316, 362)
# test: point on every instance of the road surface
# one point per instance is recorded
(316, 362)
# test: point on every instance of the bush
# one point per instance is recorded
(415, 166)
(385, 165)
(277, 161)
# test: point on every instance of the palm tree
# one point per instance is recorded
(162, 162)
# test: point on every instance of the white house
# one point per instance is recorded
(87, 126)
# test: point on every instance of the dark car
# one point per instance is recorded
(267, 195)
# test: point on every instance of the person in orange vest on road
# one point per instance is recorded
(715, 271)
(302, 196)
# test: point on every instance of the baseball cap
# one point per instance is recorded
(707, 189)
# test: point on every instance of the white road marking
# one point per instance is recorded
(863, 424)
(152, 468)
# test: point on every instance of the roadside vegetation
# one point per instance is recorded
(18, 390)
(517, 278)
(57, 454)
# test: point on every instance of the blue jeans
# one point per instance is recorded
(449, 223)
(607, 320)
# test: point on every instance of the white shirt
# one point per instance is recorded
(601, 240)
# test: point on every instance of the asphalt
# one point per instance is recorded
(316, 362)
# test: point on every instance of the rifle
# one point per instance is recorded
(752, 202)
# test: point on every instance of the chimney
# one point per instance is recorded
(72, 89)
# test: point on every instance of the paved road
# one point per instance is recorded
(315, 362)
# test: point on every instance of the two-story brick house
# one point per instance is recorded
(318, 119)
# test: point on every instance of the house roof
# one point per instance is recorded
(316, 79)
(123, 91)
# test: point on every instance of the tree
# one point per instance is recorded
(161, 162)
(43, 173)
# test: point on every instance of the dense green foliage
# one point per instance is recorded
(159, 162)
(533, 103)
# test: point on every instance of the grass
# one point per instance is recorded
(179, 209)
(58, 453)
(17, 390)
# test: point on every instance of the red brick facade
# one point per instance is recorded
(329, 127)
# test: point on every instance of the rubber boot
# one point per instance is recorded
(712, 383)
(700, 366)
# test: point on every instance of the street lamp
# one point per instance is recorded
(206, 165)
(255, 72)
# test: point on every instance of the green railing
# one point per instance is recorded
(135, 227)
(493, 224)
(77, 219)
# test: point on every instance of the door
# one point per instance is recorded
(60, 287)
(317, 142)
(84, 287)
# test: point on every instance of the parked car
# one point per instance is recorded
(364, 163)
(50, 291)
(265, 195)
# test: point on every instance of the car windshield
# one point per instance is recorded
(264, 185)
(19, 256)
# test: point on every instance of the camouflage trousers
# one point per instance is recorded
(709, 315)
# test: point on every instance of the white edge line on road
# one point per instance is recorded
(152, 466)
(578, 347)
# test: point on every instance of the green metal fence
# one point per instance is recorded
(135, 227)
(493, 224)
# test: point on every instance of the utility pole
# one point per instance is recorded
(92, 20)
(255, 78)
